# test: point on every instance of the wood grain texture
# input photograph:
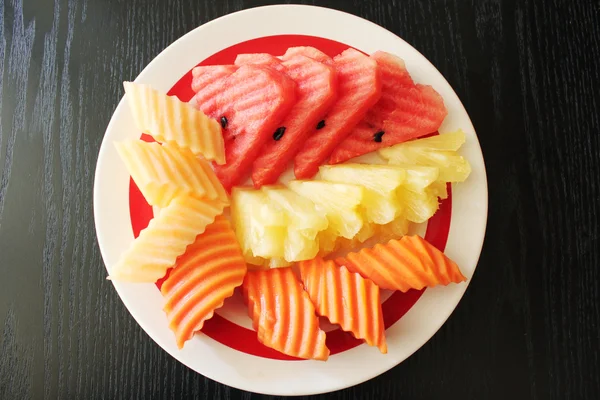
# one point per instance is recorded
(527, 72)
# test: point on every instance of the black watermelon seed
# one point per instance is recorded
(279, 133)
(224, 122)
(321, 124)
(378, 136)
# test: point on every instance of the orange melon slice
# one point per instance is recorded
(407, 263)
(163, 172)
(346, 299)
(168, 234)
(283, 314)
(169, 120)
(207, 274)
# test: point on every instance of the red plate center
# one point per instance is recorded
(229, 333)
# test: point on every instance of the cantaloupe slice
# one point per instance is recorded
(408, 263)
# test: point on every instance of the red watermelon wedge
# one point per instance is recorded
(307, 51)
(316, 91)
(250, 106)
(359, 88)
(260, 59)
(405, 111)
(207, 82)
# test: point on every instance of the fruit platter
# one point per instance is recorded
(289, 201)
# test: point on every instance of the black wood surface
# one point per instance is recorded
(527, 72)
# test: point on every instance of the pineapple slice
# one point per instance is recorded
(435, 151)
(393, 230)
(380, 183)
(418, 198)
(259, 225)
(328, 241)
(340, 202)
(439, 189)
(303, 220)
(368, 231)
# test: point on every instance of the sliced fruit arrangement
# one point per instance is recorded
(407, 263)
(346, 299)
(283, 314)
(202, 278)
(261, 117)
(169, 120)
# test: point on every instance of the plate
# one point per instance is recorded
(227, 351)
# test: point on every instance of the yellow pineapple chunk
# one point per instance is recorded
(304, 221)
(339, 201)
(419, 201)
(436, 151)
(380, 182)
(260, 226)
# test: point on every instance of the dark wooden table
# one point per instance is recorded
(527, 72)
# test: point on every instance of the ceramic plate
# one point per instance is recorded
(227, 350)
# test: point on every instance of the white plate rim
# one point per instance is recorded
(255, 374)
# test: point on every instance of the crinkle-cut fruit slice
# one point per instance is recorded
(340, 201)
(157, 247)
(346, 299)
(260, 226)
(252, 103)
(359, 88)
(202, 278)
(207, 81)
(405, 111)
(169, 120)
(435, 151)
(308, 51)
(283, 315)
(407, 263)
(163, 172)
(260, 59)
(316, 91)
(380, 183)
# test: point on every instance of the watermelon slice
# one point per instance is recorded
(307, 51)
(259, 59)
(206, 83)
(359, 89)
(405, 111)
(250, 105)
(316, 92)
